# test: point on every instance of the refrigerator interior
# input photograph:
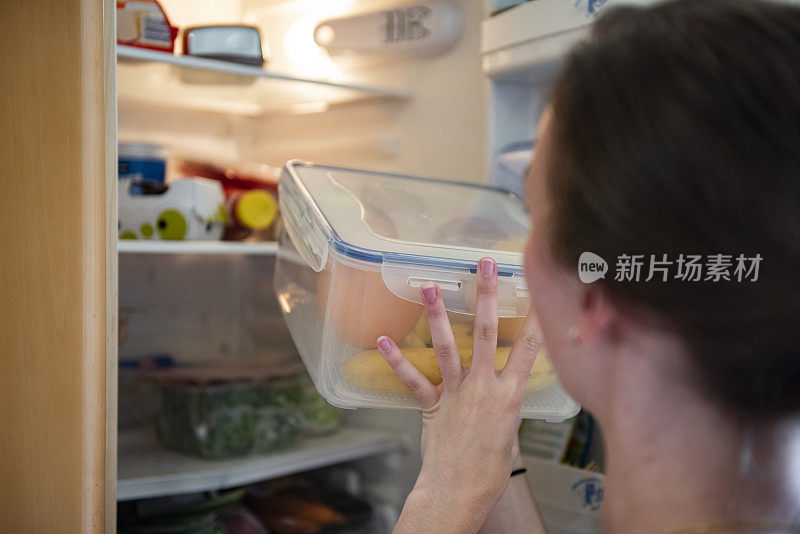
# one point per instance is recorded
(448, 116)
(432, 123)
(215, 302)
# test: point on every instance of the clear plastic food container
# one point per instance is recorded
(356, 249)
(228, 410)
(318, 416)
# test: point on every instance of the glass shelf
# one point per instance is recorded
(140, 246)
(151, 77)
(145, 469)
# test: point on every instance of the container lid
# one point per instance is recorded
(380, 217)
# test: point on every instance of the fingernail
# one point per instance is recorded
(487, 266)
(385, 344)
(429, 292)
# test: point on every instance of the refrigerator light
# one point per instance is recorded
(423, 28)
(305, 108)
(304, 54)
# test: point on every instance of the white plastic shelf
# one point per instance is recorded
(528, 42)
(144, 469)
(518, 42)
(187, 82)
(141, 246)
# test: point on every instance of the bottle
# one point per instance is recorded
(249, 211)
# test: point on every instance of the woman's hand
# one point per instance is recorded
(470, 419)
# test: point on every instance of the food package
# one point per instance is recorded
(238, 43)
(188, 209)
(143, 23)
(251, 191)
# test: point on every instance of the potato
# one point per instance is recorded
(462, 333)
(423, 330)
(370, 371)
(362, 308)
(508, 328)
(413, 341)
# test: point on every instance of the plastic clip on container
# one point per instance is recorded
(356, 249)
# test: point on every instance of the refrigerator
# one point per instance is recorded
(464, 113)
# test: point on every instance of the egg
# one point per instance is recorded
(360, 308)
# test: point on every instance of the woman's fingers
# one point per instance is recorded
(524, 351)
(422, 389)
(444, 344)
(484, 330)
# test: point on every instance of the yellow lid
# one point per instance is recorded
(255, 209)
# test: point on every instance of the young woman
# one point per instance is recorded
(673, 133)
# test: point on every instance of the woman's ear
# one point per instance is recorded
(599, 317)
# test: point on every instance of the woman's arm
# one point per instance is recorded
(516, 512)
(469, 420)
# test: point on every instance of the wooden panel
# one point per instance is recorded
(57, 317)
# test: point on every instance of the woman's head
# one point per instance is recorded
(675, 130)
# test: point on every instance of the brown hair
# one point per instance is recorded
(677, 131)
